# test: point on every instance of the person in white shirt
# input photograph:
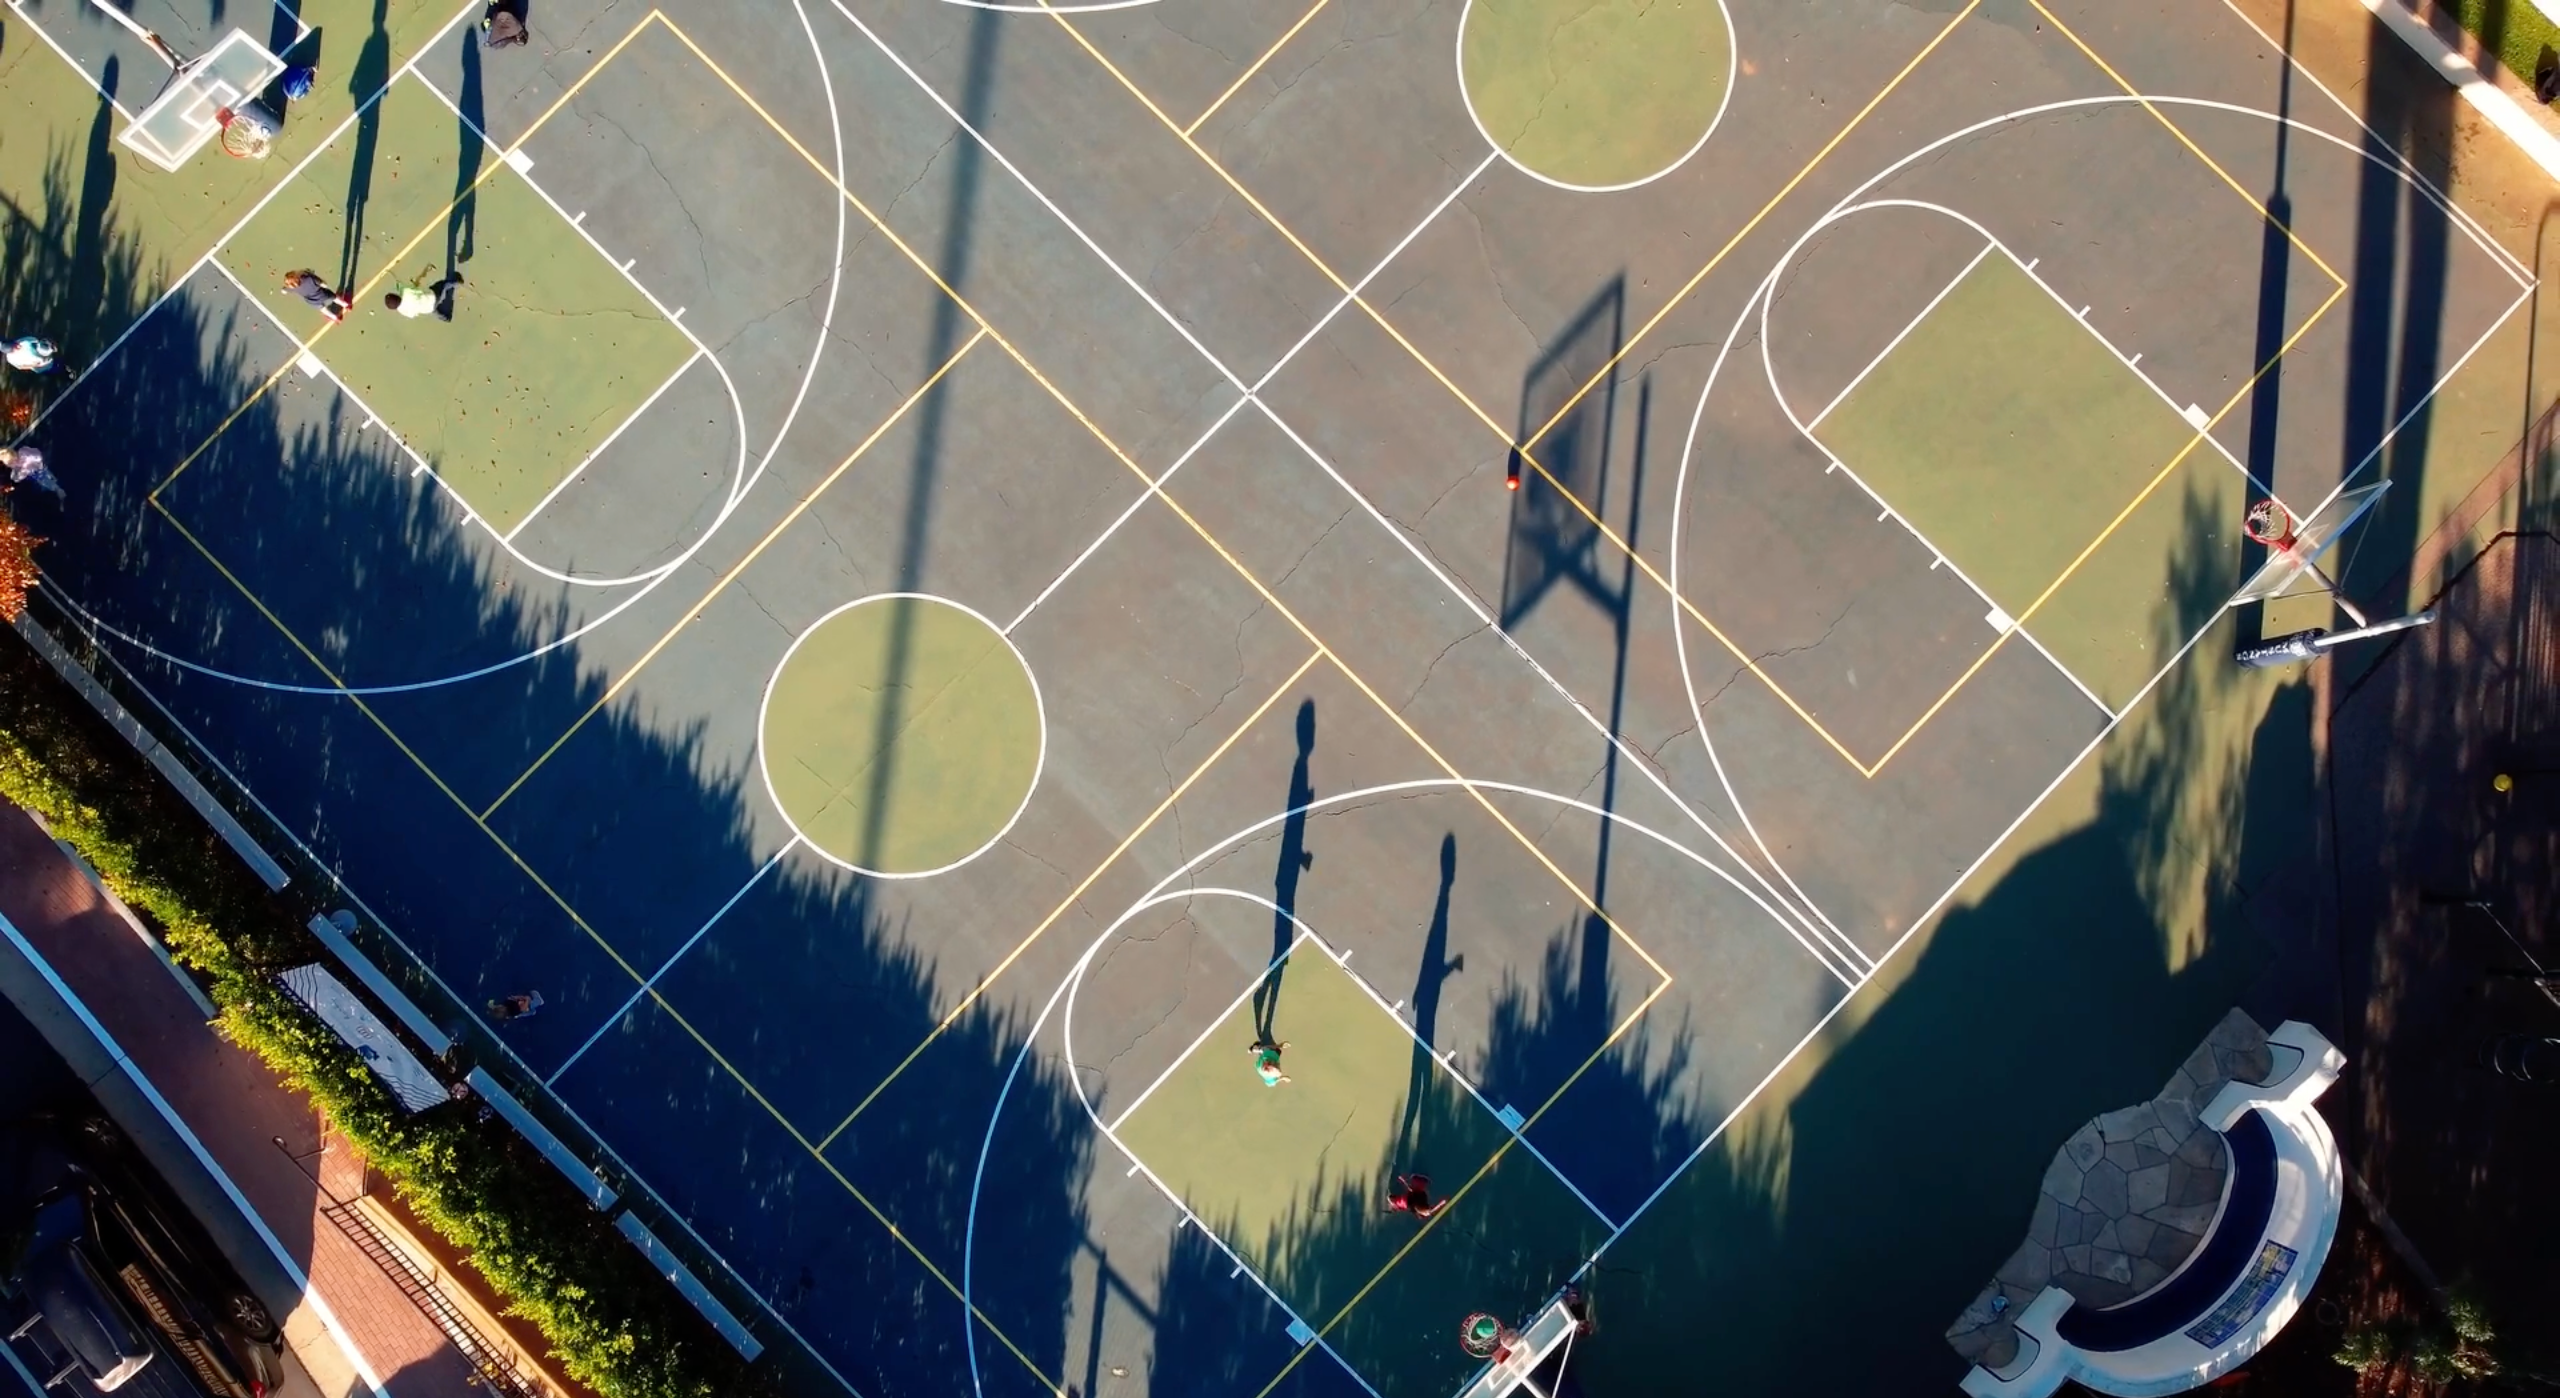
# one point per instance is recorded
(26, 467)
(418, 296)
(32, 354)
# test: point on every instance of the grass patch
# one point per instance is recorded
(612, 1322)
(2513, 30)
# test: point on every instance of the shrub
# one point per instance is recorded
(2365, 1349)
(18, 574)
(611, 1322)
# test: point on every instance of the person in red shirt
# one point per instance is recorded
(1411, 1194)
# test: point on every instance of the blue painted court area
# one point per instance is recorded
(1450, 648)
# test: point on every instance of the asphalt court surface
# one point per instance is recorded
(1571, 810)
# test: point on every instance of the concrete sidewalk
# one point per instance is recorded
(243, 1151)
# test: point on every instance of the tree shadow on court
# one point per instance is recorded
(1387, 1290)
(1384, 1289)
(816, 985)
(1873, 1188)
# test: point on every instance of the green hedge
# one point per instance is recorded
(612, 1322)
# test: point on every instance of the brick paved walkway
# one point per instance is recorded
(237, 1109)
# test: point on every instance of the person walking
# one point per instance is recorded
(1411, 1194)
(307, 285)
(1266, 1061)
(418, 296)
(32, 354)
(507, 1007)
(26, 467)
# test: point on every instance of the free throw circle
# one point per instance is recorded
(901, 735)
(1595, 95)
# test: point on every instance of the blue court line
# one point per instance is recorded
(650, 985)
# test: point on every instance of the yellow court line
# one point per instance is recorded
(400, 258)
(1735, 241)
(1749, 662)
(1247, 75)
(2121, 516)
(1516, 1137)
(859, 1197)
(989, 979)
(396, 741)
(608, 948)
(988, 330)
(2189, 143)
(806, 502)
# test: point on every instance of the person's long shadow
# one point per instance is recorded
(1295, 859)
(1437, 966)
(372, 70)
(462, 220)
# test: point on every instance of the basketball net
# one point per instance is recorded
(2270, 524)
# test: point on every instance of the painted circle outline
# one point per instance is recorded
(648, 582)
(1733, 77)
(1039, 711)
(1854, 201)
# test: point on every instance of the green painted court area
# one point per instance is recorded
(1595, 93)
(1294, 1178)
(2012, 438)
(550, 347)
(901, 735)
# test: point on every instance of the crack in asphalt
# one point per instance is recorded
(1780, 654)
(701, 240)
(1469, 634)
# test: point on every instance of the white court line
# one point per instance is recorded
(969, 1235)
(168, 1115)
(2349, 479)
(1306, 934)
(1156, 487)
(1442, 1064)
(1997, 843)
(651, 984)
(420, 466)
(609, 438)
(1923, 921)
(2262, 487)
(76, 65)
(1899, 336)
(1465, 598)
(1252, 988)
(312, 859)
(179, 283)
(1807, 933)
(1164, 892)
(1991, 244)
(2406, 170)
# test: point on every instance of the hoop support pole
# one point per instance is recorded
(158, 45)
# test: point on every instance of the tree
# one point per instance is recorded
(18, 572)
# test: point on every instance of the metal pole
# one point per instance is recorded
(158, 45)
(2337, 596)
(2301, 646)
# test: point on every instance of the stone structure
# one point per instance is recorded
(2126, 1201)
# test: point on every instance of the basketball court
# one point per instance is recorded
(957, 567)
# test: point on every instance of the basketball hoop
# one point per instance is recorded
(1485, 1336)
(2270, 524)
(245, 134)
